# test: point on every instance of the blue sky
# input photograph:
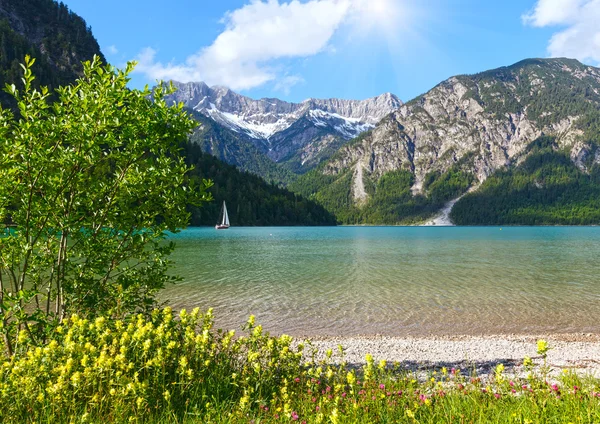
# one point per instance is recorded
(295, 49)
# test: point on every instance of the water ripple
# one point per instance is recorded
(394, 281)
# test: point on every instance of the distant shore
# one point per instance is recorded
(577, 352)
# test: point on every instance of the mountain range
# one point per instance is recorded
(297, 136)
(449, 140)
(381, 161)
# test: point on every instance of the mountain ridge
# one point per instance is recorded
(462, 131)
(270, 123)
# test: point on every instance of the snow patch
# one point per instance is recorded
(347, 127)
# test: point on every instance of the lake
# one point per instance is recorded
(393, 280)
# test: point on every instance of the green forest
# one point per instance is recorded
(45, 26)
(546, 189)
(250, 200)
(391, 200)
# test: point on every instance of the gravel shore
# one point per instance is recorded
(578, 352)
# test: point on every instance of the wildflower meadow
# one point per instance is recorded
(175, 368)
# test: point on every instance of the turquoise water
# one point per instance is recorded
(393, 280)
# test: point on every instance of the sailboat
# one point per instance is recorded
(223, 223)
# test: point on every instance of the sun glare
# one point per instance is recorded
(379, 7)
(379, 15)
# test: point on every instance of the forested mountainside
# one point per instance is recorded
(57, 38)
(454, 137)
(236, 149)
(545, 188)
(250, 200)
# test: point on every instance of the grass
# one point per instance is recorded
(177, 369)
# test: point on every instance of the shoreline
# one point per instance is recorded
(589, 337)
(419, 225)
(577, 352)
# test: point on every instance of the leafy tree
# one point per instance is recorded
(89, 186)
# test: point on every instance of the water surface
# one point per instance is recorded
(393, 280)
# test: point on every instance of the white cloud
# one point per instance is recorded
(285, 84)
(580, 38)
(553, 12)
(255, 36)
(112, 50)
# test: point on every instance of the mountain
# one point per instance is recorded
(238, 150)
(46, 30)
(296, 135)
(250, 200)
(545, 188)
(455, 136)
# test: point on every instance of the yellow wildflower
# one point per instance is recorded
(350, 378)
(542, 347)
(334, 416)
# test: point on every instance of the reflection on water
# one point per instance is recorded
(393, 280)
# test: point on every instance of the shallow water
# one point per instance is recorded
(393, 280)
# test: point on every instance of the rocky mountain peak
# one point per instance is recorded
(481, 123)
(283, 130)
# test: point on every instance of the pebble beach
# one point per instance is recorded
(576, 352)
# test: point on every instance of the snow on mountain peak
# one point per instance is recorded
(261, 119)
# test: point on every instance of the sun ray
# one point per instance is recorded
(382, 16)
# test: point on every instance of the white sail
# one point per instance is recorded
(225, 215)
